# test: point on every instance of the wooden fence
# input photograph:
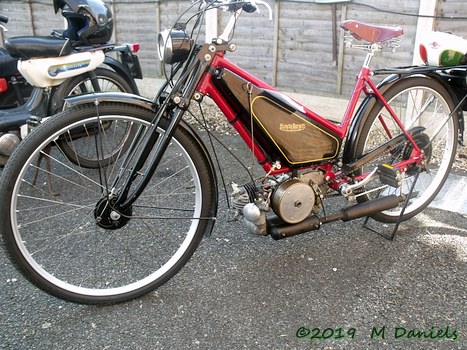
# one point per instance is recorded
(300, 50)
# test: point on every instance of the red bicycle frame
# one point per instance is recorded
(363, 84)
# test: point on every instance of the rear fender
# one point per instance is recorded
(122, 70)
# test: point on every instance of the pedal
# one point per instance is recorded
(389, 175)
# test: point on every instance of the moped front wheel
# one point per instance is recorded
(58, 219)
(418, 102)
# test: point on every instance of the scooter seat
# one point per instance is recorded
(8, 64)
(27, 47)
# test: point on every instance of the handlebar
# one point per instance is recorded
(236, 7)
(260, 2)
(4, 19)
(247, 6)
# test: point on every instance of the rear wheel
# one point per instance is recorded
(417, 101)
(61, 226)
(105, 80)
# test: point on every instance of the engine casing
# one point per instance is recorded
(293, 201)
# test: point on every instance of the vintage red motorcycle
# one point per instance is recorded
(123, 228)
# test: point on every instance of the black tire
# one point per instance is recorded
(108, 81)
(55, 239)
(418, 101)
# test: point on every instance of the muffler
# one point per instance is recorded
(283, 230)
(366, 208)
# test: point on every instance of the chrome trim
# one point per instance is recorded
(97, 97)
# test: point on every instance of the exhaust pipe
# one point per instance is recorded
(366, 208)
(282, 230)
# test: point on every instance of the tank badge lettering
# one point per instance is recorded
(62, 68)
(293, 127)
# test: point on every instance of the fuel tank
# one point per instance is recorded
(282, 122)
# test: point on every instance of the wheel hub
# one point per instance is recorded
(423, 142)
(110, 216)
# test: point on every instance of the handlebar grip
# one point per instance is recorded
(250, 7)
(4, 19)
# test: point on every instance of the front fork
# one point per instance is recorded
(173, 107)
(152, 140)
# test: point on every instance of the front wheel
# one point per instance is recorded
(418, 102)
(59, 221)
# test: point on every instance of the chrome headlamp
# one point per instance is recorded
(174, 45)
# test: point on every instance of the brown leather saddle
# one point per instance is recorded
(371, 33)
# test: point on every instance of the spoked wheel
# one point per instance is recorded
(82, 150)
(79, 143)
(105, 80)
(64, 230)
(419, 102)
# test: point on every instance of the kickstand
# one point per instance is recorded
(48, 169)
(391, 236)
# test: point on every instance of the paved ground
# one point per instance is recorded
(241, 291)
(245, 292)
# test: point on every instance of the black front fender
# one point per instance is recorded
(121, 97)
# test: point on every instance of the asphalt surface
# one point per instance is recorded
(343, 283)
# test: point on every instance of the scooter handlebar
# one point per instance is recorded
(4, 19)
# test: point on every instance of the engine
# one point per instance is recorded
(292, 200)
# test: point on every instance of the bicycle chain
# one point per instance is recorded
(370, 162)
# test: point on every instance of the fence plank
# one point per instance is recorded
(305, 42)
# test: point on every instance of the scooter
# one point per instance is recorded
(65, 71)
(37, 73)
(449, 53)
(14, 89)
